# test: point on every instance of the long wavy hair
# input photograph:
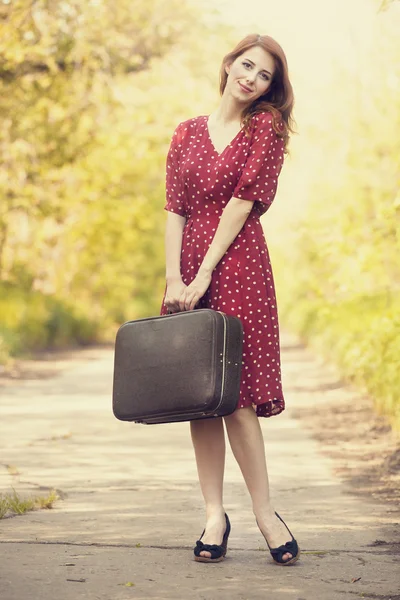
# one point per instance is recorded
(278, 99)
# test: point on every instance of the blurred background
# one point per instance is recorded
(91, 91)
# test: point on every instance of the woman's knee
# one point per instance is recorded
(240, 415)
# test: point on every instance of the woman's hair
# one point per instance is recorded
(278, 99)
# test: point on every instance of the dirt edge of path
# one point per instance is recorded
(365, 450)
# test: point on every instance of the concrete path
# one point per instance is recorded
(131, 508)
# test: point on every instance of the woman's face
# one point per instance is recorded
(250, 75)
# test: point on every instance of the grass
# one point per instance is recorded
(33, 321)
(360, 334)
(12, 470)
(14, 504)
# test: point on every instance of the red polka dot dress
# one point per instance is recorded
(200, 182)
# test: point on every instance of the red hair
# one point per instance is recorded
(278, 99)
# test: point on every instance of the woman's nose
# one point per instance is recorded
(251, 77)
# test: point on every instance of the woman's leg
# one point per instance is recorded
(246, 440)
(209, 445)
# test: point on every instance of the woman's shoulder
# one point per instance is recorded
(262, 120)
(190, 123)
(266, 125)
(188, 127)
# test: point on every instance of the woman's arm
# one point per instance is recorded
(173, 246)
(231, 222)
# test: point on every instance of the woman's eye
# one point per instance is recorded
(265, 76)
(246, 64)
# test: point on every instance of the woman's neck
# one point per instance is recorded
(228, 111)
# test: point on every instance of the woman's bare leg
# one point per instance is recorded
(246, 440)
(209, 445)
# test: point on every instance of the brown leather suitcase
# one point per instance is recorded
(177, 367)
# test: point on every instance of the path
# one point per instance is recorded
(131, 508)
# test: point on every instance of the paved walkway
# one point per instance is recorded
(132, 510)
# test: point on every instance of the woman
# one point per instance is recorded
(222, 173)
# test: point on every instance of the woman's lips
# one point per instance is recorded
(245, 89)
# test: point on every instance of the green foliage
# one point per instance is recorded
(362, 335)
(31, 320)
(340, 284)
(87, 112)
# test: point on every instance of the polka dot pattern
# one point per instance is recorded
(199, 182)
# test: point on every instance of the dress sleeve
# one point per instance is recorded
(175, 191)
(259, 178)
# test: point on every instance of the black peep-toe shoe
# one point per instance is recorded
(217, 552)
(291, 547)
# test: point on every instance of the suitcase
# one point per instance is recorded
(177, 367)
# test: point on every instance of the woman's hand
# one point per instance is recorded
(194, 291)
(173, 293)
